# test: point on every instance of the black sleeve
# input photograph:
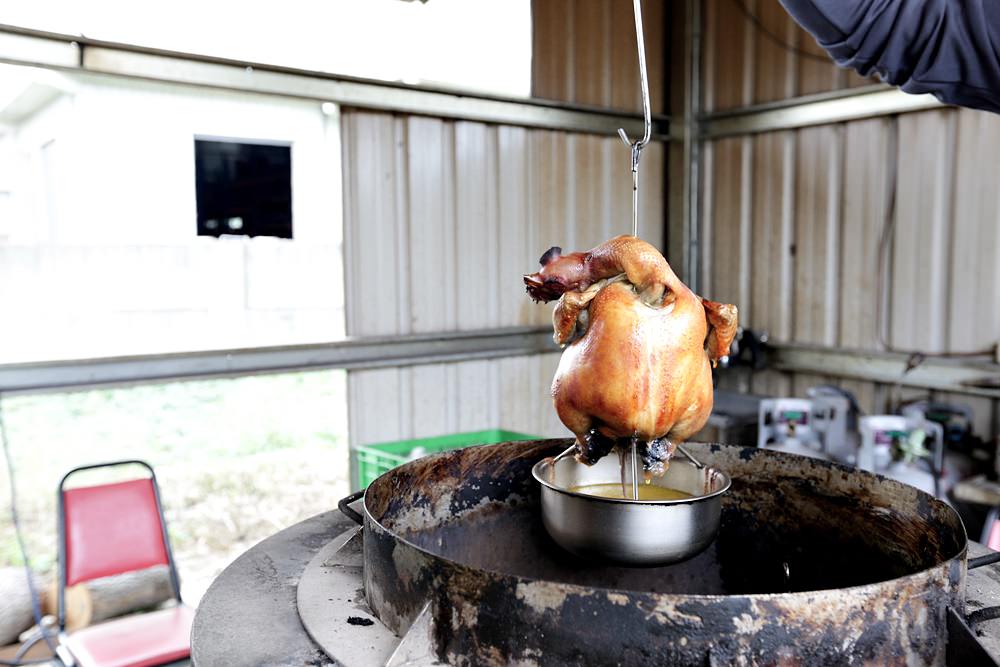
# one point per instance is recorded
(943, 47)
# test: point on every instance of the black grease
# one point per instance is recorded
(358, 620)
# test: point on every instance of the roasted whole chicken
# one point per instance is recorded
(639, 349)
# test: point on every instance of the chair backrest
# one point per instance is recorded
(110, 529)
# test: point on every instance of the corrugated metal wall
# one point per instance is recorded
(584, 51)
(743, 65)
(792, 219)
(442, 218)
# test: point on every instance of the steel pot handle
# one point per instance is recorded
(986, 613)
(344, 506)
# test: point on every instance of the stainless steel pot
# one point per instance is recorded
(630, 532)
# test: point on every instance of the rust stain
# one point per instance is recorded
(541, 596)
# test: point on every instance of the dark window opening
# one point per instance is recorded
(243, 188)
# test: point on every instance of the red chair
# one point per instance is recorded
(111, 529)
(991, 529)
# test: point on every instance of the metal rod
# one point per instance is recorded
(569, 451)
(635, 469)
(692, 459)
(637, 146)
(635, 149)
(635, 196)
(981, 561)
(643, 76)
(984, 614)
(636, 152)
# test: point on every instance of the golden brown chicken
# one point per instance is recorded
(639, 348)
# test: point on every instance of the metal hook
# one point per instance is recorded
(637, 146)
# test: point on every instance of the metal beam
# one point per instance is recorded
(979, 376)
(21, 46)
(350, 353)
(822, 109)
(33, 51)
(976, 376)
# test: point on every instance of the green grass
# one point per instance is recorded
(237, 459)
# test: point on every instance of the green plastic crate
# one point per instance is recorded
(370, 461)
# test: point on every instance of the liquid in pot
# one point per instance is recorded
(646, 492)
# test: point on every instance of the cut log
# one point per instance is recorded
(15, 603)
(100, 599)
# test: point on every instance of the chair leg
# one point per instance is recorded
(63, 653)
(991, 521)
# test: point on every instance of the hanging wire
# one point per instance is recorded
(775, 38)
(637, 146)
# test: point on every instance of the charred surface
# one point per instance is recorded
(595, 446)
(654, 455)
(814, 564)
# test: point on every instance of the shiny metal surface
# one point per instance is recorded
(632, 532)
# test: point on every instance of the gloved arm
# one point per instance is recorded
(943, 47)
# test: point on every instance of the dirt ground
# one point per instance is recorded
(237, 460)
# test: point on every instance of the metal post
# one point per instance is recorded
(692, 146)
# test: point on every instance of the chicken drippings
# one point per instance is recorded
(646, 492)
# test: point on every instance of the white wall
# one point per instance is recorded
(123, 160)
(467, 44)
(6, 181)
(99, 253)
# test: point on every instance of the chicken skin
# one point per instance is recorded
(639, 349)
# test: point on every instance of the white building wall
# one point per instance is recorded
(123, 160)
(99, 254)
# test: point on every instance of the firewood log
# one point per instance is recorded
(97, 600)
(15, 603)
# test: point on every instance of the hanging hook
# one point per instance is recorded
(638, 145)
